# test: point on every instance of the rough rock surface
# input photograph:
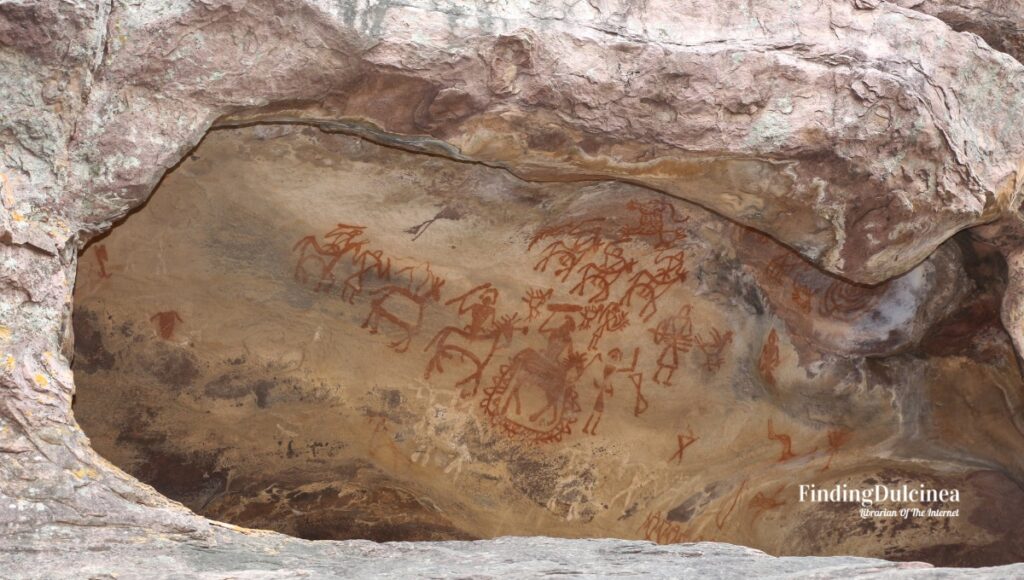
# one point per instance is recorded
(272, 556)
(999, 22)
(861, 134)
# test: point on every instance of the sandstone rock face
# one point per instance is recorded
(999, 22)
(445, 270)
(863, 138)
(353, 341)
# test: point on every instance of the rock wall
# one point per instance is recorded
(307, 332)
(857, 137)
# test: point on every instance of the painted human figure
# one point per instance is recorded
(556, 372)
(559, 338)
(675, 335)
(165, 323)
(770, 358)
(481, 313)
(605, 385)
(836, 439)
(683, 442)
(784, 440)
(101, 258)
(477, 341)
(611, 318)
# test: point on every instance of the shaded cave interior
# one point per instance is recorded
(311, 333)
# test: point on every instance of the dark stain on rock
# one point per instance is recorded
(956, 333)
(192, 478)
(137, 429)
(234, 386)
(536, 477)
(262, 391)
(961, 554)
(172, 365)
(392, 397)
(387, 402)
(375, 510)
(686, 510)
(91, 353)
(1003, 498)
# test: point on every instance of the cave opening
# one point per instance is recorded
(308, 332)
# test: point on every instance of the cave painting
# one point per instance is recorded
(713, 348)
(536, 298)
(845, 301)
(603, 274)
(770, 359)
(552, 358)
(650, 286)
(640, 405)
(657, 528)
(368, 263)
(605, 385)
(762, 502)
(786, 442)
(402, 290)
(790, 268)
(729, 506)
(477, 341)
(402, 307)
(573, 243)
(343, 240)
(808, 290)
(658, 219)
(101, 259)
(803, 297)
(683, 442)
(675, 335)
(609, 318)
(535, 395)
(165, 323)
(784, 268)
(836, 439)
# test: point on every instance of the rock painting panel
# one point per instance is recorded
(545, 365)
